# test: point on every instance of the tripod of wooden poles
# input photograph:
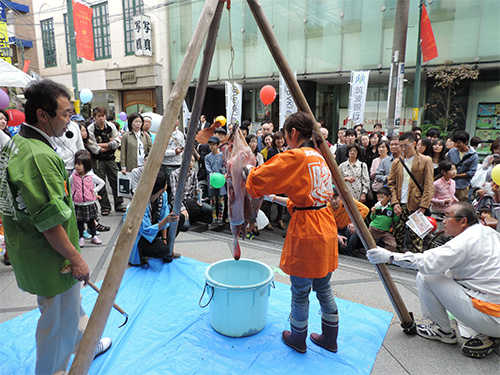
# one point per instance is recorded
(207, 27)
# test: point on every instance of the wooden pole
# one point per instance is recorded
(199, 99)
(368, 242)
(128, 234)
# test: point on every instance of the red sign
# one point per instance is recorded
(26, 65)
(427, 41)
(82, 17)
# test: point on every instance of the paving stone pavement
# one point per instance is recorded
(355, 280)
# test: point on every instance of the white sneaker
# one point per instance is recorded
(81, 242)
(102, 347)
(96, 240)
(433, 332)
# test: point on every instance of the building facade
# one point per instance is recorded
(324, 40)
(120, 80)
(17, 33)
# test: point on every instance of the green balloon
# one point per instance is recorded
(217, 180)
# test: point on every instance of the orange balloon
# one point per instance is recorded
(221, 120)
(267, 94)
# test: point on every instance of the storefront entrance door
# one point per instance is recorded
(139, 101)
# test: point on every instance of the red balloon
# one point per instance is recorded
(16, 117)
(267, 94)
(433, 223)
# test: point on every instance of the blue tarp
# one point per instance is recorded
(168, 333)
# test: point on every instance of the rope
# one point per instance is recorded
(230, 71)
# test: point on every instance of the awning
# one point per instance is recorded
(10, 76)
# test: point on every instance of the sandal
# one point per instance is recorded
(102, 228)
(104, 213)
(281, 225)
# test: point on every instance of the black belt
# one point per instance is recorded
(309, 208)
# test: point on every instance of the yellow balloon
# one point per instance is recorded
(495, 174)
(221, 120)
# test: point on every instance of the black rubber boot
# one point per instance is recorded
(328, 337)
(296, 339)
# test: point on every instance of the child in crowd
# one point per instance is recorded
(483, 213)
(84, 187)
(382, 217)
(444, 188)
(214, 163)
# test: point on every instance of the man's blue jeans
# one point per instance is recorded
(301, 287)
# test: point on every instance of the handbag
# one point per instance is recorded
(427, 210)
(369, 194)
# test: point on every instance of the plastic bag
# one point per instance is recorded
(479, 178)
(262, 220)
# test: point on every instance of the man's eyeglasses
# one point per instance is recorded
(446, 217)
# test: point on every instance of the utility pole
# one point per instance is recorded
(418, 70)
(72, 48)
(394, 100)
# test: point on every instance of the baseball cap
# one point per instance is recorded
(214, 140)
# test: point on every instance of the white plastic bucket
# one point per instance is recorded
(239, 294)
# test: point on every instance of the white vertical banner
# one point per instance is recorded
(142, 36)
(357, 97)
(138, 43)
(287, 104)
(234, 99)
(146, 35)
(186, 115)
(399, 95)
(389, 95)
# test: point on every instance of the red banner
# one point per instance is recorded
(428, 43)
(26, 65)
(82, 18)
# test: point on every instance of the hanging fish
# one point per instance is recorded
(241, 208)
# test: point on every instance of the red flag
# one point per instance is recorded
(26, 65)
(82, 18)
(428, 43)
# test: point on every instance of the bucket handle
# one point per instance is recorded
(210, 300)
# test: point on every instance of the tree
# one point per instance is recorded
(448, 106)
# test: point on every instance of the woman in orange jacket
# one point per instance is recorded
(310, 253)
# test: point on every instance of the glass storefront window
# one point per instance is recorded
(324, 36)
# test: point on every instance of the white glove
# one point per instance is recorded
(378, 255)
(269, 198)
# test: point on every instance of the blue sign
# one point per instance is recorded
(3, 17)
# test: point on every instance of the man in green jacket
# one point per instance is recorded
(40, 226)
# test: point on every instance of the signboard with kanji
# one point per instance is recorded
(142, 33)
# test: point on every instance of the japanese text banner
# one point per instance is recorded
(359, 86)
(84, 32)
(287, 104)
